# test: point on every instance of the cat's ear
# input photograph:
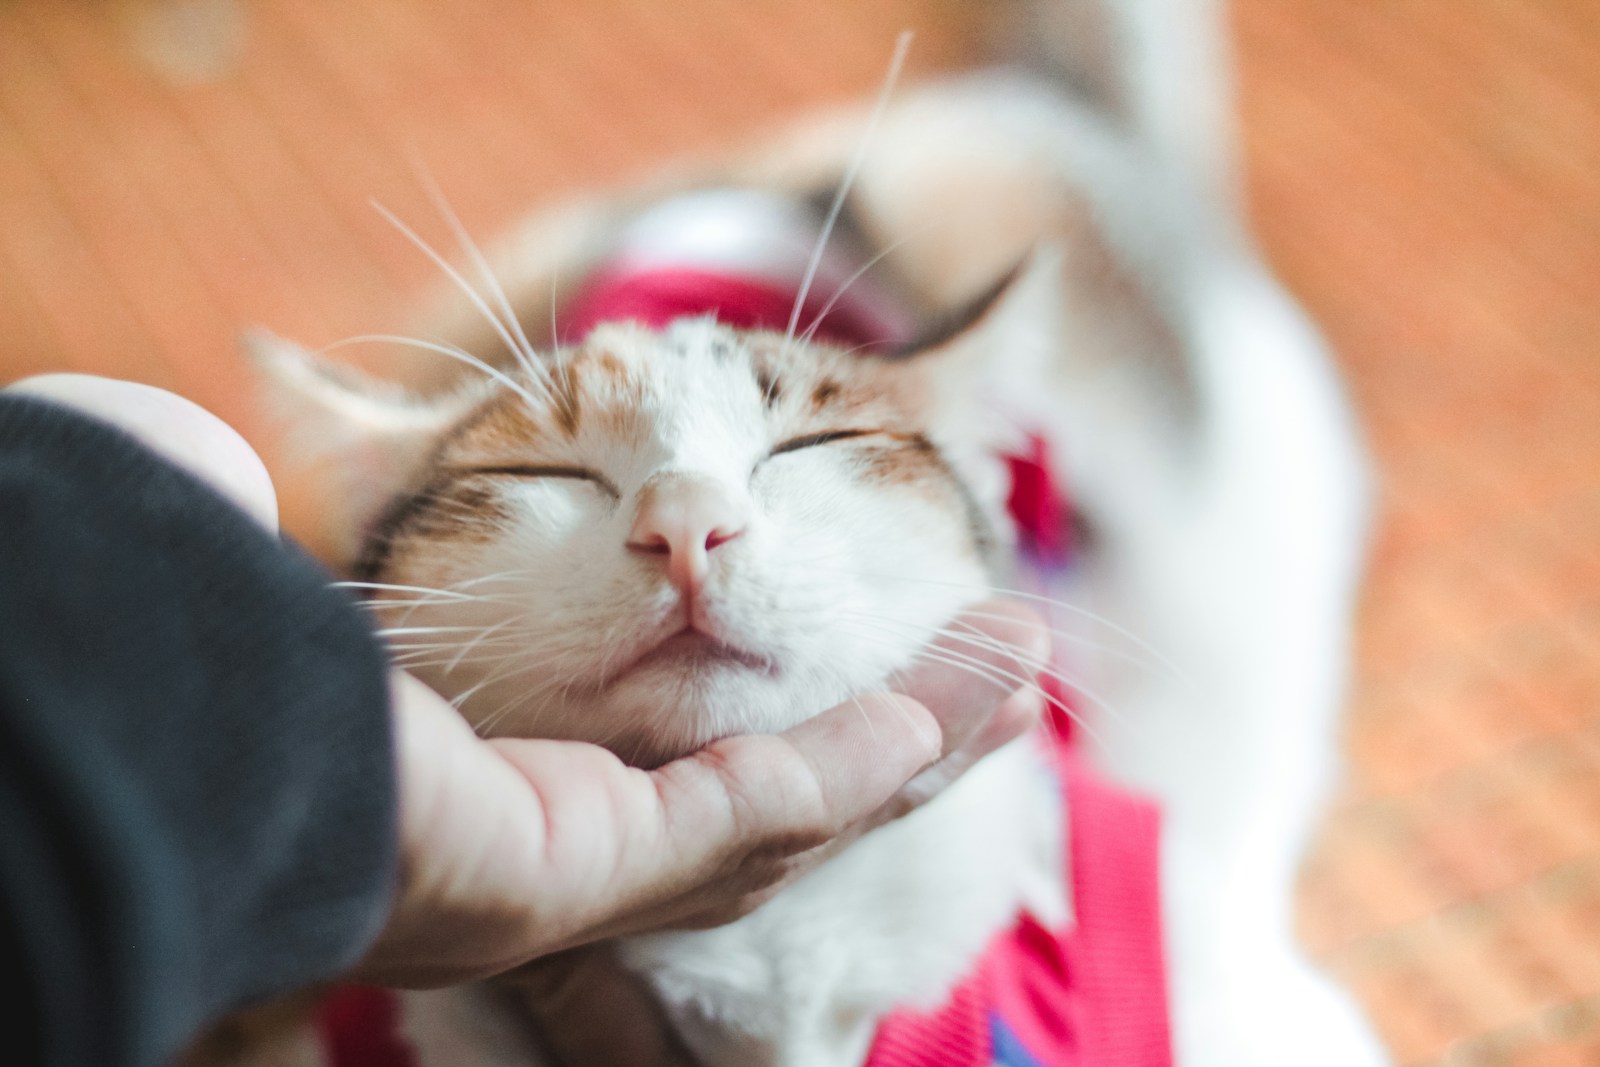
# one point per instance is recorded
(341, 445)
(969, 366)
(970, 376)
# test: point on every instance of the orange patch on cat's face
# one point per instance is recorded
(462, 508)
(452, 508)
(505, 422)
(820, 390)
(603, 387)
(903, 459)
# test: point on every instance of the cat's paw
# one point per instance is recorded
(1277, 1014)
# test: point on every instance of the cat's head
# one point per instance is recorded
(656, 537)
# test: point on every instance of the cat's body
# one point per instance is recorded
(849, 506)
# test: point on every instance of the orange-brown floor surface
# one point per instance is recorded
(1425, 174)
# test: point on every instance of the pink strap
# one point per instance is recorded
(657, 296)
(1092, 996)
(359, 1026)
(1117, 953)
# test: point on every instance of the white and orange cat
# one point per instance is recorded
(650, 535)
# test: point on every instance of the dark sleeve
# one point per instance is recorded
(196, 771)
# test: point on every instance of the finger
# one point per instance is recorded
(576, 846)
(862, 751)
(804, 786)
(967, 677)
(180, 430)
(1016, 715)
(734, 816)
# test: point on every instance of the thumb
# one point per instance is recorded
(179, 430)
(796, 790)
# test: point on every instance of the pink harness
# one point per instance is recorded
(1091, 995)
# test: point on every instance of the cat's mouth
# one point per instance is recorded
(691, 648)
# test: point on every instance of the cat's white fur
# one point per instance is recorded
(1202, 432)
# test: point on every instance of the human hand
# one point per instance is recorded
(519, 848)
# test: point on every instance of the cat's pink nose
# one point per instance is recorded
(683, 518)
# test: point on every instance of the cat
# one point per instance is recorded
(648, 535)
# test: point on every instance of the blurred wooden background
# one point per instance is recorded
(1424, 173)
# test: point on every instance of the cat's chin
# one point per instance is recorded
(673, 700)
(688, 697)
(673, 697)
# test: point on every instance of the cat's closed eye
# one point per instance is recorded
(531, 470)
(811, 440)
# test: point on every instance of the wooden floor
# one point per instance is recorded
(1427, 176)
(1424, 173)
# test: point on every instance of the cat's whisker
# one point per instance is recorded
(555, 333)
(1010, 682)
(448, 649)
(454, 592)
(852, 171)
(862, 711)
(525, 355)
(556, 353)
(521, 702)
(494, 718)
(1051, 602)
(484, 638)
(998, 675)
(478, 641)
(1069, 638)
(487, 680)
(976, 637)
(449, 351)
(447, 659)
(844, 286)
(455, 645)
(428, 591)
(1042, 666)
(610, 641)
(515, 574)
(466, 288)
(395, 631)
(520, 665)
(397, 612)
(1006, 679)
(632, 758)
(1078, 641)
(490, 722)
(1099, 620)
